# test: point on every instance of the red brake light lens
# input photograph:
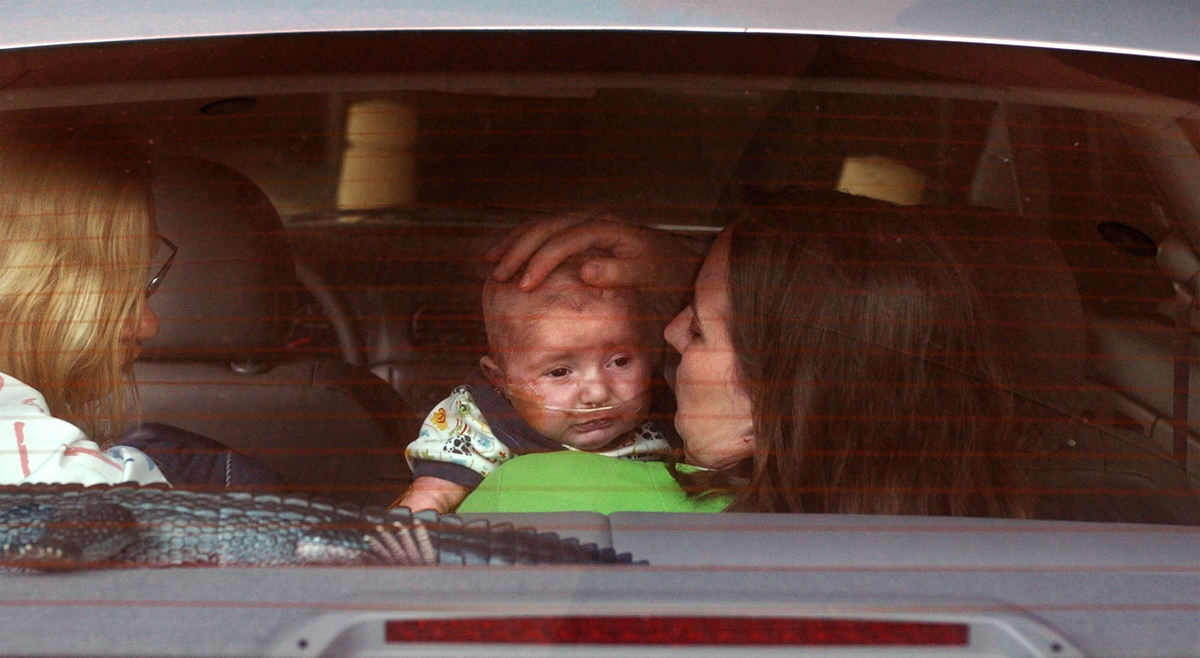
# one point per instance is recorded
(708, 631)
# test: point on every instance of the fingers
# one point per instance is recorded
(409, 550)
(570, 242)
(612, 273)
(524, 241)
(385, 548)
(428, 553)
(637, 253)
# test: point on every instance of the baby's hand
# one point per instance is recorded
(441, 496)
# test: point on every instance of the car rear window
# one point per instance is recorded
(395, 160)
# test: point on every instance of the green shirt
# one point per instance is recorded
(569, 481)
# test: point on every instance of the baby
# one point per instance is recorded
(569, 368)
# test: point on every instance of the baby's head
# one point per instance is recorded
(572, 359)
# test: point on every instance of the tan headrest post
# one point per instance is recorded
(378, 166)
(881, 178)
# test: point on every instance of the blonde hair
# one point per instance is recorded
(77, 234)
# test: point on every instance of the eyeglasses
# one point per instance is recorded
(157, 279)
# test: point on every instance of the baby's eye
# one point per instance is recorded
(558, 373)
(622, 361)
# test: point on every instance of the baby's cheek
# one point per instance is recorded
(637, 385)
(534, 412)
(549, 424)
(558, 397)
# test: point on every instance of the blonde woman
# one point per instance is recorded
(79, 258)
(78, 238)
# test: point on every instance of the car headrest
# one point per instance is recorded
(228, 295)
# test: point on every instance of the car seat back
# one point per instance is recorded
(219, 365)
(1032, 311)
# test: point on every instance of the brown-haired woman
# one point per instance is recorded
(830, 361)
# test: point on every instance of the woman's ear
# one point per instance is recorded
(493, 372)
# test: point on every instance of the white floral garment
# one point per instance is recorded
(456, 432)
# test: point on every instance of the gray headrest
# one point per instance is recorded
(228, 295)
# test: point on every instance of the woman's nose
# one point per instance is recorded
(144, 327)
(676, 331)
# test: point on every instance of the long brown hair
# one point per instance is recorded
(873, 388)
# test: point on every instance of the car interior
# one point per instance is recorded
(332, 196)
(220, 365)
(332, 217)
(332, 224)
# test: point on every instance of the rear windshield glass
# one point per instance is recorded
(395, 161)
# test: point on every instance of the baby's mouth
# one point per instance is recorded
(593, 425)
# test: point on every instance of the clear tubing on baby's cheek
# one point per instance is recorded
(526, 393)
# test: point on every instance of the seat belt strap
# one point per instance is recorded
(1184, 339)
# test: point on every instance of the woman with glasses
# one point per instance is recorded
(79, 256)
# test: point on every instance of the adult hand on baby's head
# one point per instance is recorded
(636, 257)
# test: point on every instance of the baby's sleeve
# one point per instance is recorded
(456, 444)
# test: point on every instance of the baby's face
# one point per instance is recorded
(580, 378)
